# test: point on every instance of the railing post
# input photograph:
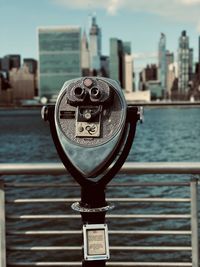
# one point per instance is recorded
(2, 226)
(194, 222)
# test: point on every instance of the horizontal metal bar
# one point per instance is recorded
(125, 248)
(47, 232)
(44, 216)
(128, 168)
(11, 263)
(43, 200)
(152, 248)
(166, 104)
(112, 184)
(166, 264)
(112, 216)
(111, 232)
(155, 199)
(155, 264)
(151, 232)
(55, 200)
(41, 248)
(31, 168)
(39, 184)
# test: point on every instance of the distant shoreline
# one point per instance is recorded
(155, 104)
(166, 104)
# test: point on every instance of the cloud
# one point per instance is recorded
(113, 6)
(189, 2)
(80, 4)
(176, 10)
(173, 10)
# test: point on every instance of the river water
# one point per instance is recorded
(167, 134)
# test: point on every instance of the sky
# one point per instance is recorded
(138, 21)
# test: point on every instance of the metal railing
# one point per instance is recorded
(128, 168)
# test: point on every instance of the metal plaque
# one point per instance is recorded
(95, 237)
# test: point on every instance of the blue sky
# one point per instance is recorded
(138, 21)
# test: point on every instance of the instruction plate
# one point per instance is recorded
(96, 245)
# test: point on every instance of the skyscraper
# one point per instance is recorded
(9, 62)
(149, 73)
(121, 63)
(32, 65)
(170, 73)
(59, 57)
(85, 55)
(199, 49)
(169, 57)
(95, 46)
(23, 83)
(162, 64)
(127, 47)
(191, 62)
(128, 67)
(104, 66)
(184, 62)
(6, 93)
(128, 73)
(171, 77)
(116, 60)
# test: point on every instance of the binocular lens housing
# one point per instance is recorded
(79, 92)
(95, 93)
(89, 92)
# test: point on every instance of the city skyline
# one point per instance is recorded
(127, 20)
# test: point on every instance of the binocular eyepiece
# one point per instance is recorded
(89, 91)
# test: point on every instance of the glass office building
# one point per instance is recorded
(116, 60)
(184, 59)
(59, 58)
(199, 49)
(162, 63)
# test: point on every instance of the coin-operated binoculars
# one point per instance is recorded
(93, 131)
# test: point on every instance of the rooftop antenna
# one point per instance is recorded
(91, 15)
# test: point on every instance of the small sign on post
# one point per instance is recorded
(95, 238)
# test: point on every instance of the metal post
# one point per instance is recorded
(2, 226)
(93, 207)
(194, 222)
(93, 197)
